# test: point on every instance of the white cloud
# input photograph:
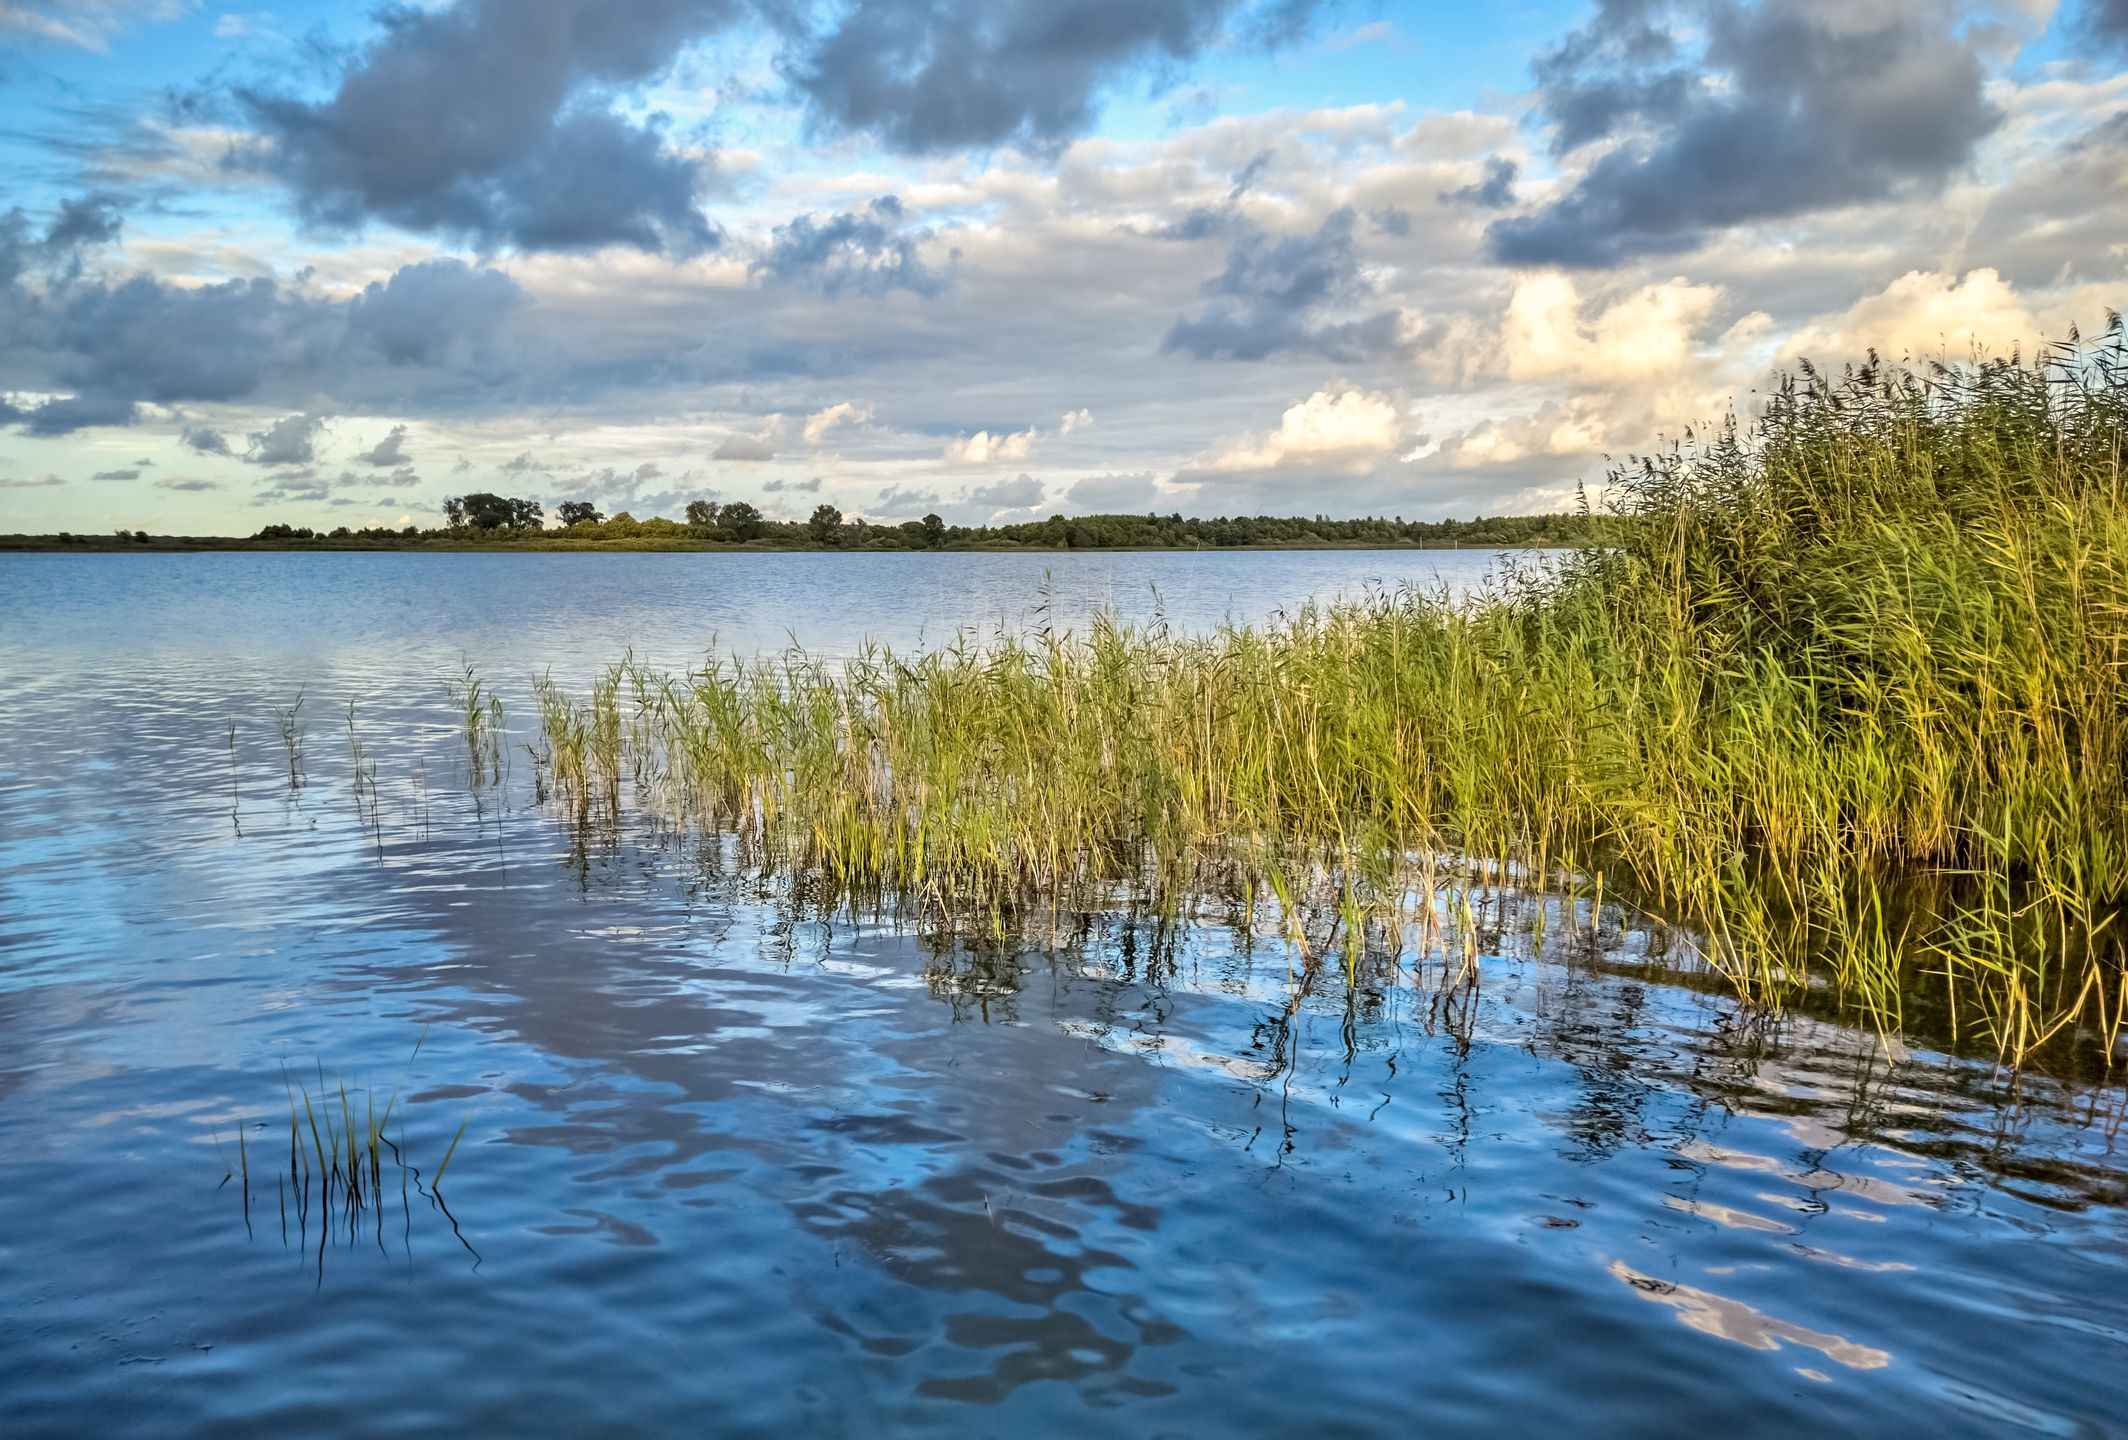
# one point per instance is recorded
(1922, 313)
(1347, 431)
(982, 447)
(842, 412)
(1550, 334)
(1074, 420)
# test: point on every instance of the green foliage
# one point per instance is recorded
(1847, 697)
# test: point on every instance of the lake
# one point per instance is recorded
(718, 1164)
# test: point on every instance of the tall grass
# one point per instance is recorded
(1845, 696)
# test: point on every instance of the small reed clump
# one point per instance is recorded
(1844, 693)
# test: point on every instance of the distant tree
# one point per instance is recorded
(701, 514)
(742, 520)
(826, 525)
(934, 531)
(577, 512)
(483, 511)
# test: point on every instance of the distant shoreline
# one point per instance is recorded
(206, 545)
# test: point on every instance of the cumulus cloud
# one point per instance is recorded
(1305, 294)
(1075, 420)
(102, 348)
(1549, 333)
(131, 472)
(491, 120)
(983, 447)
(794, 487)
(290, 440)
(206, 440)
(761, 445)
(186, 484)
(1787, 107)
(1493, 190)
(388, 452)
(868, 251)
(821, 423)
(1347, 430)
(932, 75)
(1113, 494)
(1922, 313)
(1023, 492)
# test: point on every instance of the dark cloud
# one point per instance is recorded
(524, 464)
(290, 440)
(898, 500)
(488, 119)
(436, 312)
(932, 75)
(1788, 107)
(107, 346)
(175, 482)
(795, 487)
(206, 440)
(1303, 294)
(390, 451)
(1391, 221)
(1023, 492)
(1495, 191)
(131, 473)
(2106, 23)
(1259, 165)
(1113, 494)
(867, 251)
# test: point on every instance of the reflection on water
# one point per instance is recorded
(735, 1166)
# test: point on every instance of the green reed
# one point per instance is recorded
(1845, 695)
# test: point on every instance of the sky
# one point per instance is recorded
(327, 264)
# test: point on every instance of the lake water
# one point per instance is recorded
(727, 1169)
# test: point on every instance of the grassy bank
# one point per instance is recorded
(1846, 698)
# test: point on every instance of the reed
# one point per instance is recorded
(1844, 694)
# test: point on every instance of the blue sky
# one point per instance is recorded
(329, 264)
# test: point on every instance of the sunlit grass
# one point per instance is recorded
(1846, 697)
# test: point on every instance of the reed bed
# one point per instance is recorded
(1844, 695)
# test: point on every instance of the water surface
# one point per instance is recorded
(731, 1167)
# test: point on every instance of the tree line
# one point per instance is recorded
(501, 519)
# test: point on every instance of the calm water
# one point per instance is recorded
(729, 1170)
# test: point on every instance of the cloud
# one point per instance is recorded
(1493, 191)
(1114, 494)
(489, 120)
(1790, 107)
(1547, 334)
(868, 252)
(756, 447)
(1075, 420)
(2105, 22)
(901, 500)
(40, 483)
(176, 482)
(102, 348)
(1299, 294)
(206, 440)
(982, 447)
(90, 24)
(290, 440)
(933, 75)
(436, 312)
(821, 423)
(1023, 492)
(1922, 313)
(390, 451)
(795, 487)
(1346, 431)
(524, 464)
(130, 473)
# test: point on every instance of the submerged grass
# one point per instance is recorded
(1846, 696)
